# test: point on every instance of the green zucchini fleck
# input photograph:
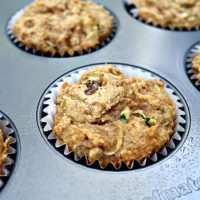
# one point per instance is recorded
(125, 115)
(149, 121)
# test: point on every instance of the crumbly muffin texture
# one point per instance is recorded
(3, 150)
(62, 26)
(196, 66)
(108, 117)
(170, 13)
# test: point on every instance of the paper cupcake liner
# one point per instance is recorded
(57, 55)
(8, 130)
(131, 8)
(191, 53)
(47, 110)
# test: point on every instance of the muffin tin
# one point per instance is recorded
(42, 172)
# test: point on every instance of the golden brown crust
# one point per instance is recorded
(196, 66)
(63, 26)
(3, 150)
(90, 123)
(170, 13)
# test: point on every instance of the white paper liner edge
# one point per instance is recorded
(74, 76)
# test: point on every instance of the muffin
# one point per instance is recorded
(3, 150)
(62, 26)
(170, 13)
(196, 66)
(111, 118)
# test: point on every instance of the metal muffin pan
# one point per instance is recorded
(41, 173)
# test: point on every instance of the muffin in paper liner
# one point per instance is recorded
(8, 131)
(131, 8)
(47, 110)
(57, 55)
(191, 53)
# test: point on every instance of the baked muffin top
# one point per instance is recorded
(112, 118)
(170, 13)
(196, 66)
(3, 150)
(62, 26)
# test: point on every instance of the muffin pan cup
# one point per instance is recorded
(191, 53)
(8, 130)
(43, 172)
(131, 8)
(48, 109)
(22, 46)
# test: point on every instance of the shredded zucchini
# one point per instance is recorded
(125, 114)
(149, 121)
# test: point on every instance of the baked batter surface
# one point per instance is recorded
(109, 117)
